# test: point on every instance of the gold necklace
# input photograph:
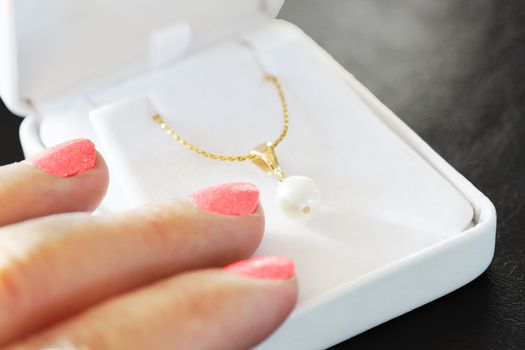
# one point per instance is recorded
(297, 196)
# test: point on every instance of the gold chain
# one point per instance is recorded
(248, 156)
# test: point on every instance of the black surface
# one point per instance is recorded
(455, 72)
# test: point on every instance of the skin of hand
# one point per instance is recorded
(150, 278)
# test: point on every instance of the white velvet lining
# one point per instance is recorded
(79, 41)
(381, 201)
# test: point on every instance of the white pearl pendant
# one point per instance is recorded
(298, 197)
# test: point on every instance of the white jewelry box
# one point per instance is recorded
(399, 226)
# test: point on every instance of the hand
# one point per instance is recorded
(150, 278)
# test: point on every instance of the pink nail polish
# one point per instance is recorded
(66, 159)
(233, 199)
(264, 267)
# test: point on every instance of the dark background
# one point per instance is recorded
(454, 71)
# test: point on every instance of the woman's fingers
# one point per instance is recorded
(53, 267)
(68, 177)
(210, 309)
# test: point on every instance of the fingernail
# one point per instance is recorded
(264, 267)
(66, 159)
(234, 199)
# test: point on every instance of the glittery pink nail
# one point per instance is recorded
(233, 199)
(264, 267)
(66, 159)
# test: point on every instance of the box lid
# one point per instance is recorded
(48, 47)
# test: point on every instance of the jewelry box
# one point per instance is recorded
(398, 226)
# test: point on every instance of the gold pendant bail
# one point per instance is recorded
(267, 161)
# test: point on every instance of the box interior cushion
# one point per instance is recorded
(381, 200)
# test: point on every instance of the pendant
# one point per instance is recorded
(298, 197)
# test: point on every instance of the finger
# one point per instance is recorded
(201, 310)
(65, 178)
(53, 267)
